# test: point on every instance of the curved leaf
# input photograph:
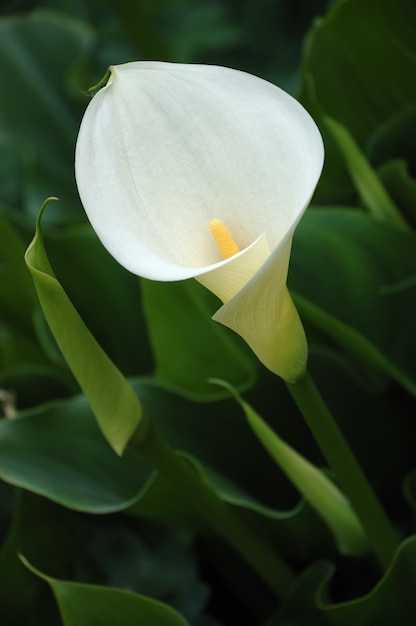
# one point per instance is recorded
(372, 192)
(392, 601)
(114, 403)
(107, 297)
(88, 605)
(317, 489)
(58, 452)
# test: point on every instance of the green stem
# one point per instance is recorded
(348, 472)
(217, 514)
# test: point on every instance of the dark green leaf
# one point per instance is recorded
(401, 187)
(17, 296)
(359, 66)
(189, 348)
(373, 195)
(392, 601)
(37, 530)
(88, 605)
(362, 58)
(368, 310)
(58, 452)
(38, 114)
(106, 296)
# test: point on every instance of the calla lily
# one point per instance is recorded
(164, 149)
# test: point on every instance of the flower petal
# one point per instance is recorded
(263, 314)
(226, 280)
(164, 148)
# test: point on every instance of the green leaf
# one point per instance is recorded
(33, 384)
(36, 529)
(394, 139)
(39, 53)
(106, 296)
(361, 57)
(17, 295)
(116, 407)
(317, 489)
(369, 309)
(401, 186)
(392, 601)
(358, 68)
(372, 192)
(301, 606)
(18, 303)
(188, 347)
(58, 452)
(88, 605)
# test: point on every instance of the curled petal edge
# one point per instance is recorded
(262, 311)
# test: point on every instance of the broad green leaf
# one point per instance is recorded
(362, 59)
(58, 452)
(39, 115)
(369, 309)
(188, 347)
(88, 605)
(358, 68)
(116, 407)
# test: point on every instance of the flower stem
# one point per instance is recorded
(348, 473)
(217, 514)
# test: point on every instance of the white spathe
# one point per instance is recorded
(164, 148)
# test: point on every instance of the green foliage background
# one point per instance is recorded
(105, 539)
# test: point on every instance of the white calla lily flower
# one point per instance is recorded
(166, 148)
